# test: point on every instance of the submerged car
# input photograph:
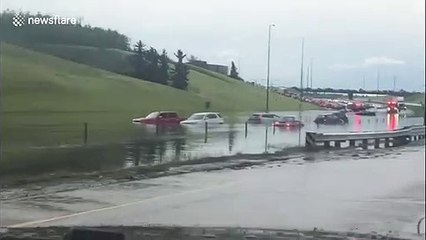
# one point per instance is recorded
(204, 117)
(263, 118)
(288, 121)
(342, 115)
(160, 118)
(330, 119)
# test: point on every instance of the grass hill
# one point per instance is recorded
(46, 99)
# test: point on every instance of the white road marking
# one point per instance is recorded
(26, 224)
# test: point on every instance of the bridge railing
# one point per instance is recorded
(389, 138)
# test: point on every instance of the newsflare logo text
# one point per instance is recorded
(20, 20)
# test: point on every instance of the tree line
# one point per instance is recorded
(149, 65)
(141, 62)
(59, 34)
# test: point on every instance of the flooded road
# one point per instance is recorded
(151, 146)
(358, 191)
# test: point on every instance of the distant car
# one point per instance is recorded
(392, 107)
(342, 115)
(160, 118)
(355, 106)
(288, 121)
(204, 117)
(263, 118)
(329, 119)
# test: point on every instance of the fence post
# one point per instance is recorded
(273, 129)
(365, 144)
(205, 131)
(85, 134)
(377, 143)
(266, 139)
(245, 130)
(387, 143)
(310, 140)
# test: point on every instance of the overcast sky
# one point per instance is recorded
(346, 39)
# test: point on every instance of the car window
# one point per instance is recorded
(211, 116)
(162, 115)
(268, 115)
(152, 115)
(172, 115)
(196, 117)
(220, 116)
(288, 119)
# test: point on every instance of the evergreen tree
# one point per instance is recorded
(234, 72)
(180, 73)
(138, 61)
(152, 71)
(164, 68)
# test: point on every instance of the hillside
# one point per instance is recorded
(40, 91)
(416, 98)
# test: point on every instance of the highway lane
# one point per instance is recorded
(359, 192)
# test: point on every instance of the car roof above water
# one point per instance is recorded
(205, 113)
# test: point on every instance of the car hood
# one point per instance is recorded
(191, 121)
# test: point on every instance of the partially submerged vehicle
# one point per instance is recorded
(263, 118)
(160, 118)
(338, 118)
(204, 117)
(289, 122)
(356, 106)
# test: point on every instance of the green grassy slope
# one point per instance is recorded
(416, 98)
(225, 94)
(46, 99)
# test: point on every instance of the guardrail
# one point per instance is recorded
(364, 139)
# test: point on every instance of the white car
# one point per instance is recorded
(263, 118)
(204, 117)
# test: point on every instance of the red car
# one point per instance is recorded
(392, 107)
(159, 118)
(288, 121)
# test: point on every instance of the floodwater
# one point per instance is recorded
(154, 146)
(380, 191)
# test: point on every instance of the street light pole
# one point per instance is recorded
(301, 88)
(268, 67)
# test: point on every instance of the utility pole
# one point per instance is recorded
(307, 76)
(378, 80)
(312, 66)
(268, 67)
(301, 89)
(394, 83)
(363, 82)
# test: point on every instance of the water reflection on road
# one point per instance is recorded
(151, 145)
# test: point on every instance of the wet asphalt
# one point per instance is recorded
(360, 191)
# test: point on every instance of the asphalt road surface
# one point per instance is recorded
(362, 192)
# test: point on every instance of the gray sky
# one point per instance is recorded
(345, 38)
